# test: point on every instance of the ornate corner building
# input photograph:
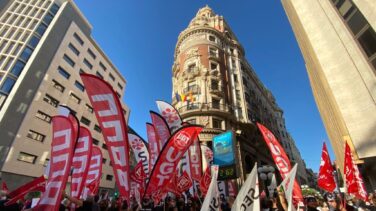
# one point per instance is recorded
(215, 86)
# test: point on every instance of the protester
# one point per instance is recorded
(312, 203)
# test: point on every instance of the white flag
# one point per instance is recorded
(248, 197)
(272, 186)
(288, 186)
(211, 201)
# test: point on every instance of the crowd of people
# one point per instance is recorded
(275, 202)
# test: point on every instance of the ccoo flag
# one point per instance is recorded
(326, 178)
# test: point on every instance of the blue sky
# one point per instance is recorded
(140, 37)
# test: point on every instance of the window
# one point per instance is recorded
(120, 86)
(211, 38)
(104, 160)
(48, 18)
(104, 146)
(357, 22)
(95, 141)
(74, 98)
(63, 72)
(191, 67)
(217, 123)
(33, 41)
(89, 108)
(58, 86)
(73, 49)
(41, 29)
(214, 85)
(109, 177)
(91, 53)
(54, 9)
(26, 157)
(17, 49)
(25, 55)
(215, 103)
(102, 66)
(7, 85)
(213, 66)
(97, 128)
(88, 64)
(43, 116)
(112, 77)
(79, 85)
(368, 41)
(50, 100)
(213, 52)
(78, 38)
(10, 47)
(191, 121)
(69, 60)
(35, 136)
(99, 75)
(85, 121)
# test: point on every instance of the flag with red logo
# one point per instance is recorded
(207, 157)
(172, 185)
(162, 130)
(61, 161)
(354, 181)
(281, 160)
(110, 116)
(94, 174)
(325, 179)
(169, 157)
(205, 181)
(184, 182)
(138, 175)
(81, 162)
(153, 144)
(38, 184)
(140, 151)
(212, 201)
(195, 160)
(170, 114)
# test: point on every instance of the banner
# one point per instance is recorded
(212, 201)
(162, 130)
(325, 178)
(281, 160)
(207, 157)
(170, 114)
(170, 155)
(81, 162)
(288, 187)
(195, 160)
(140, 151)
(38, 184)
(95, 171)
(248, 198)
(354, 181)
(110, 116)
(205, 181)
(153, 145)
(61, 161)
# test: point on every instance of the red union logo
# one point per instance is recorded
(182, 140)
(184, 182)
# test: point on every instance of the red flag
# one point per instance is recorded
(326, 179)
(81, 162)
(170, 114)
(110, 116)
(153, 144)
(195, 160)
(172, 185)
(94, 173)
(168, 159)
(205, 181)
(61, 160)
(354, 181)
(281, 160)
(138, 175)
(140, 150)
(4, 187)
(161, 128)
(38, 184)
(184, 182)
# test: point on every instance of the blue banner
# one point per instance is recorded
(223, 149)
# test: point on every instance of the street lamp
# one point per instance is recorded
(266, 173)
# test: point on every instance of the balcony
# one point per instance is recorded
(191, 73)
(192, 109)
(195, 89)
